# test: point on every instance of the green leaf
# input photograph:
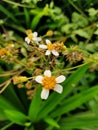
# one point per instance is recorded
(56, 98)
(51, 122)
(76, 101)
(38, 16)
(16, 27)
(67, 28)
(27, 17)
(5, 104)
(17, 117)
(78, 122)
(36, 20)
(6, 126)
(79, 20)
(2, 115)
(15, 101)
(83, 33)
(35, 106)
(92, 12)
(29, 128)
(8, 14)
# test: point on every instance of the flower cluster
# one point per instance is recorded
(45, 60)
(47, 81)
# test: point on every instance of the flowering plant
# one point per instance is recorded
(48, 77)
(38, 66)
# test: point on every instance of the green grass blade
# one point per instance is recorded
(5, 104)
(2, 116)
(51, 122)
(17, 117)
(56, 98)
(35, 106)
(7, 13)
(76, 101)
(16, 27)
(6, 126)
(78, 122)
(36, 20)
(12, 97)
(27, 17)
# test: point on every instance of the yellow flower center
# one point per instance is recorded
(50, 46)
(30, 36)
(49, 82)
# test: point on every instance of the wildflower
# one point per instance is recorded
(49, 47)
(50, 83)
(32, 37)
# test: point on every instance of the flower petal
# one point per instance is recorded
(27, 40)
(35, 34)
(44, 93)
(43, 46)
(39, 79)
(39, 39)
(47, 73)
(60, 79)
(58, 88)
(48, 52)
(55, 53)
(34, 39)
(48, 41)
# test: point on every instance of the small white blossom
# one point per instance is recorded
(50, 83)
(49, 47)
(33, 37)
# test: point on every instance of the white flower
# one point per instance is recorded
(50, 83)
(32, 37)
(49, 47)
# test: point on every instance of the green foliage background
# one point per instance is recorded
(76, 23)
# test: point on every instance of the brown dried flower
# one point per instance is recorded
(74, 56)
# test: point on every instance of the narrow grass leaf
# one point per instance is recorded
(16, 117)
(16, 27)
(5, 104)
(5, 127)
(76, 101)
(36, 20)
(51, 122)
(8, 13)
(35, 106)
(27, 17)
(78, 122)
(12, 97)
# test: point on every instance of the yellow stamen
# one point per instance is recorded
(50, 46)
(30, 36)
(49, 82)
